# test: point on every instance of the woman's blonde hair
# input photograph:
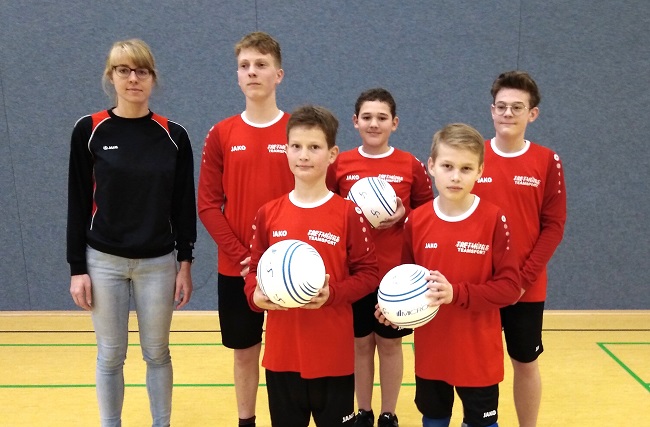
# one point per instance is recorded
(134, 50)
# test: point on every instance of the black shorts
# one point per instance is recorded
(241, 327)
(293, 400)
(366, 323)
(435, 399)
(522, 327)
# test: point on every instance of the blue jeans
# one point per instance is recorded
(151, 281)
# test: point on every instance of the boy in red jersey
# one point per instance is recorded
(527, 181)
(465, 241)
(244, 166)
(309, 351)
(375, 118)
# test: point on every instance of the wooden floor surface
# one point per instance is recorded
(595, 371)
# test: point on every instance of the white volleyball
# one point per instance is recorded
(375, 197)
(401, 296)
(291, 272)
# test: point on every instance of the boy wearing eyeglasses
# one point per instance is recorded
(527, 181)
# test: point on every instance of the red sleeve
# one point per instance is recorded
(421, 191)
(363, 277)
(211, 198)
(552, 220)
(503, 287)
(259, 243)
(407, 245)
(332, 182)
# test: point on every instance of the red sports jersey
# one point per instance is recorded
(316, 343)
(243, 166)
(405, 173)
(462, 344)
(529, 187)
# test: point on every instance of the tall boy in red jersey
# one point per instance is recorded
(309, 351)
(244, 166)
(375, 116)
(527, 181)
(465, 241)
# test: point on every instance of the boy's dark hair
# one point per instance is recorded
(461, 136)
(263, 42)
(517, 80)
(376, 94)
(313, 116)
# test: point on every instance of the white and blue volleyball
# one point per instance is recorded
(375, 197)
(401, 296)
(291, 272)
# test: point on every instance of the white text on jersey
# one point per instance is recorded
(472, 247)
(391, 178)
(276, 148)
(322, 236)
(529, 181)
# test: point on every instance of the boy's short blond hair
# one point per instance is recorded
(313, 116)
(461, 136)
(262, 42)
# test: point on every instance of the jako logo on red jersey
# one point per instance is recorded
(237, 148)
(279, 233)
(352, 178)
(484, 179)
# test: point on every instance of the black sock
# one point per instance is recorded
(249, 422)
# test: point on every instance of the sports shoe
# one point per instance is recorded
(387, 420)
(364, 419)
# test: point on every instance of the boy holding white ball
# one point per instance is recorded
(309, 351)
(375, 117)
(465, 242)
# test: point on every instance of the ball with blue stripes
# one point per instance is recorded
(291, 272)
(375, 197)
(401, 296)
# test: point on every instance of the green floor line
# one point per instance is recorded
(23, 386)
(197, 385)
(603, 346)
(50, 386)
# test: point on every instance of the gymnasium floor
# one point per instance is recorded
(596, 372)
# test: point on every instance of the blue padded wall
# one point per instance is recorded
(590, 59)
